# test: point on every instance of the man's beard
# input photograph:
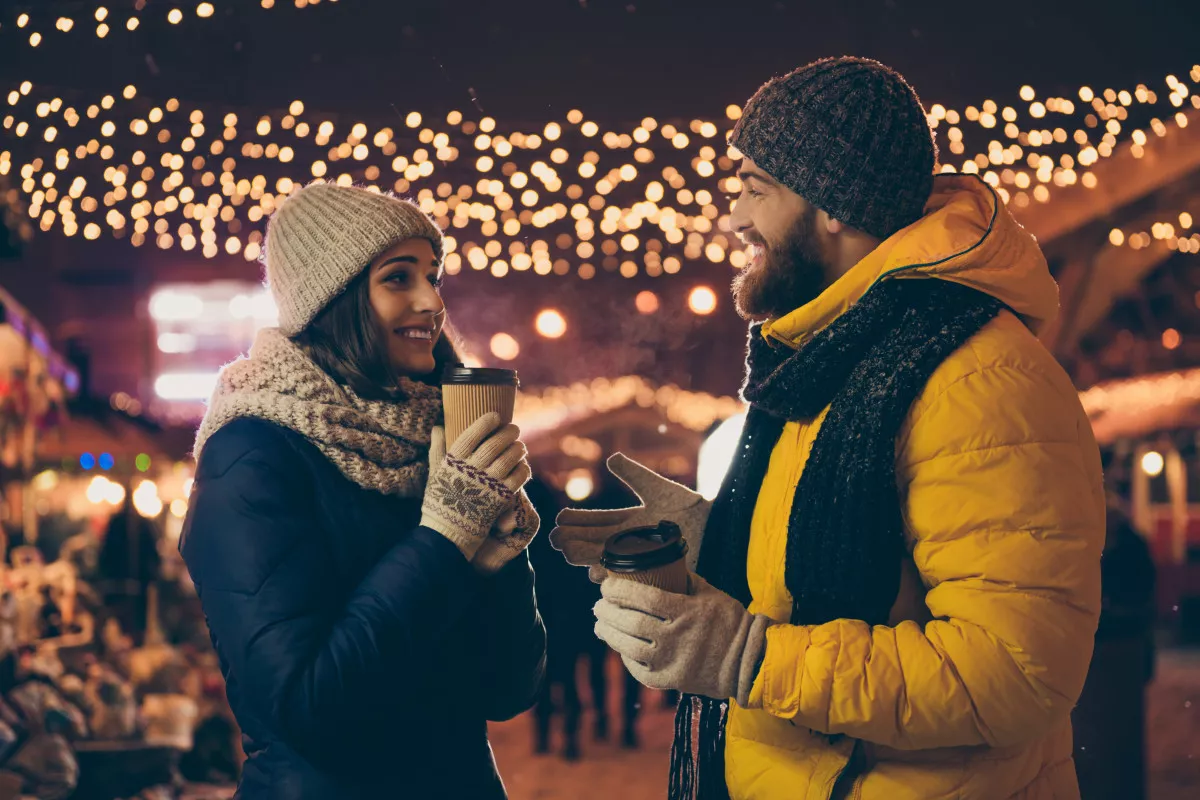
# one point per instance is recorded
(787, 276)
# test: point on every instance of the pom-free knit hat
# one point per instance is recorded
(848, 135)
(324, 235)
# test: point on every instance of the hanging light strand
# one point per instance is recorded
(557, 197)
(32, 21)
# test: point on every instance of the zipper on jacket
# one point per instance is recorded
(847, 784)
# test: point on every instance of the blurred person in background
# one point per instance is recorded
(129, 562)
(1110, 720)
(365, 582)
(610, 493)
(566, 598)
(566, 606)
(898, 584)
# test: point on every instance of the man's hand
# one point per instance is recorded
(581, 534)
(703, 643)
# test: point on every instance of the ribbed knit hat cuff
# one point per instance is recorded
(774, 163)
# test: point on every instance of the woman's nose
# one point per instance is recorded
(426, 300)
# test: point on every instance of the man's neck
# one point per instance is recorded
(852, 247)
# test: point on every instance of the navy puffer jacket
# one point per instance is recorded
(362, 653)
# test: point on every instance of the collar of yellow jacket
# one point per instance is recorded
(966, 236)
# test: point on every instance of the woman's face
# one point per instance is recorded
(404, 292)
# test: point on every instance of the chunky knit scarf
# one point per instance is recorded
(380, 445)
(845, 534)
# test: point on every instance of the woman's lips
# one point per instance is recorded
(416, 333)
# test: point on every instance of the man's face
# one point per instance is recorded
(786, 269)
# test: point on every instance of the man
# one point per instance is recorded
(899, 582)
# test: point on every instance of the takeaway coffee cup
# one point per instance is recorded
(653, 555)
(470, 392)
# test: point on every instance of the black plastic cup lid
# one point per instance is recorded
(462, 376)
(645, 548)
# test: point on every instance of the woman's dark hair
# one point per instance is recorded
(345, 343)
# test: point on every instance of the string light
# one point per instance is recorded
(549, 408)
(580, 193)
(175, 16)
(1166, 233)
(1137, 395)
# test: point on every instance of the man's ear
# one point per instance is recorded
(831, 225)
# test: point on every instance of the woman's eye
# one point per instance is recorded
(436, 281)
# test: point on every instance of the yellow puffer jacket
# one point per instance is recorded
(967, 695)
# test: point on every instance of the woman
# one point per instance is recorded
(368, 594)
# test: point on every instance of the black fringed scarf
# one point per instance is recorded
(845, 534)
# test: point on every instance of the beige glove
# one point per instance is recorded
(470, 487)
(511, 535)
(581, 534)
(704, 643)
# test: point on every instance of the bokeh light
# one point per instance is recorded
(646, 302)
(146, 500)
(702, 300)
(505, 347)
(580, 485)
(551, 324)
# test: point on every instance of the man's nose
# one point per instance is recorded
(739, 221)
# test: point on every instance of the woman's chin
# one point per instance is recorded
(416, 368)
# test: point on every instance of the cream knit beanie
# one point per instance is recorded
(324, 235)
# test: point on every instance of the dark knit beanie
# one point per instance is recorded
(848, 135)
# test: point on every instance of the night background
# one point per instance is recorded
(524, 65)
(596, 261)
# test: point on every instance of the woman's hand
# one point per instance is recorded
(473, 484)
(509, 538)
